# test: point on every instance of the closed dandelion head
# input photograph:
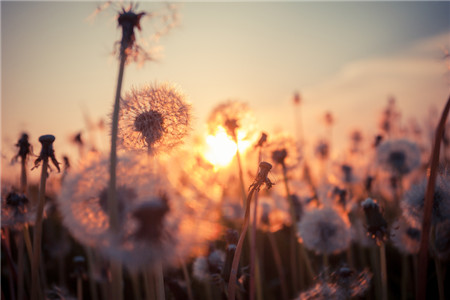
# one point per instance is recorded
(47, 151)
(405, 237)
(398, 157)
(376, 224)
(325, 230)
(283, 151)
(25, 148)
(322, 149)
(153, 118)
(414, 198)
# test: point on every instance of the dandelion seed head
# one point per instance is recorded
(405, 237)
(205, 267)
(350, 282)
(414, 198)
(236, 117)
(16, 211)
(442, 241)
(154, 118)
(325, 230)
(399, 157)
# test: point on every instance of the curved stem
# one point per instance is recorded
(428, 205)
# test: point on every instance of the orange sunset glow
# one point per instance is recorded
(251, 150)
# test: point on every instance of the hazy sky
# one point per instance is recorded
(344, 57)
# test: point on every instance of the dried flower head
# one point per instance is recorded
(144, 48)
(47, 151)
(322, 149)
(153, 118)
(235, 117)
(325, 230)
(25, 148)
(414, 199)
(399, 157)
(376, 224)
(283, 150)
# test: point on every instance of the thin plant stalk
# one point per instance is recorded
(241, 176)
(37, 236)
(279, 265)
(440, 278)
(149, 285)
(237, 254)
(6, 248)
(383, 266)
(21, 242)
(188, 279)
(112, 199)
(134, 276)
(405, 277)
(254, 263)
(91, 263)
(293, 241)
(159, 280)
(428, 205)
(261, 179)
(79, 288)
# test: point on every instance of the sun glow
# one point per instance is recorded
(220, 148)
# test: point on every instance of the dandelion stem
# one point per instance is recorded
(21, 266)
(37, 236)
(384, 287)
(279, 265)
(241, 176)
(404, 277)
(79, 288)
(440, 278)
(159, 278)
(428, 205)
(293, 242)
(188, 280)
(91, 263)
(237, 254)
(134, 276)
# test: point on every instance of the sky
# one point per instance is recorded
(57, 64)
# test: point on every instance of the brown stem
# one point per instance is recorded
(37, 237)
(428, 206)
(237, 254)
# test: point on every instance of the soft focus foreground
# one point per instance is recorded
(236, 213)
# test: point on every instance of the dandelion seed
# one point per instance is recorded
(399, 157)
(155, 118)
(414, 198)
(325, 230)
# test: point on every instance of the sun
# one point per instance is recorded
(220, 148)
